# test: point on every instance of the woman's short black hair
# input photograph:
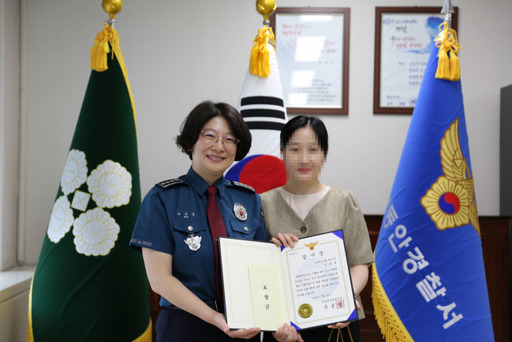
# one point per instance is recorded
(301, 121)
(202, 113)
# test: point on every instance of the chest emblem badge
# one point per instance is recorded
(193, 242)
(240, 211)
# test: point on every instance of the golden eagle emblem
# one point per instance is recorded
(450, 201)
(311, 245)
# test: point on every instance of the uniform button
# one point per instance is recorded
(190, 228)
(303, 229)
(246, 229)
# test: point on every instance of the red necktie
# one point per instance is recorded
(216, 229)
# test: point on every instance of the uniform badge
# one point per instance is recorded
(193, 242)
(240, 211)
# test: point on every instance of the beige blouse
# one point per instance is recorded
(338, 209)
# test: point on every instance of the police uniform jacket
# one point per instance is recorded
(173, 220)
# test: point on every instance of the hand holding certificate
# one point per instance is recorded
(306, 286)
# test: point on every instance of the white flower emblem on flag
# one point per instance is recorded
(75, 172)
(110, 185)
(95, 232)
(61, 219)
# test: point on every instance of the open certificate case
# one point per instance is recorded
(306, 286)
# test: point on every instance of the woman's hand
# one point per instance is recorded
(338, 325)
(287, 333)
(243, 333)
(220, 322)
(343, 325)
(285, 239)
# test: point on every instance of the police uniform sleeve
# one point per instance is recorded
(152, 228)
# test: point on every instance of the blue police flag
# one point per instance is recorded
(429, 278)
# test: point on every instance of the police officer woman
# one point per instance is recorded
(177, 228)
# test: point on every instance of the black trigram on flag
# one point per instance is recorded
(263, 109)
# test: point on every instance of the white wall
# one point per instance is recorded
(13, 285)
(13, 314)
(14, 290)
(181, 52)
(9, 130)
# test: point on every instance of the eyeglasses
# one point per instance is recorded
(229, 140)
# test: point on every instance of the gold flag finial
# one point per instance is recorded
(112, 7)
(448, 66)
(107, 38)
(266, 8)
(259, 63)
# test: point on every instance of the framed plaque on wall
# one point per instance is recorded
(403, 39)
(312, 47)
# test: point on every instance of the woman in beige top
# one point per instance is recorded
(305, 206)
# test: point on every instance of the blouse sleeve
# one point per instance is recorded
(357, 239)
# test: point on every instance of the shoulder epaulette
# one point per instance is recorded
(166, 184)
(242, 185)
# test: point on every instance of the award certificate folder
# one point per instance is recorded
(306, 286)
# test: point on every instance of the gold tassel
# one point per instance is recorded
(448, 67)
(101, 48)
(443, 65)
(454, 58)
(454, 66)
(260, 56)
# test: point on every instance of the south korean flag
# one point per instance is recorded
(263, 109)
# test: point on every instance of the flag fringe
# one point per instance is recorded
(30, 330)
(448, 67)
(260, 55)
(147, 335)
(389, 323)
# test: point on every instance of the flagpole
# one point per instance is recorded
(447, 11)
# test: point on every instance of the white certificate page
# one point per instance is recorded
(318, 281)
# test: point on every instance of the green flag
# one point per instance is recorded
(89, 284)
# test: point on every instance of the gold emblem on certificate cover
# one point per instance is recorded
(305, 310)
(311, 245)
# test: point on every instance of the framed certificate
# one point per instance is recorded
(312, 47)
(403, 40)
(306, 286)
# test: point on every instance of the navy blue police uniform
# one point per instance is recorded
(173, 220)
